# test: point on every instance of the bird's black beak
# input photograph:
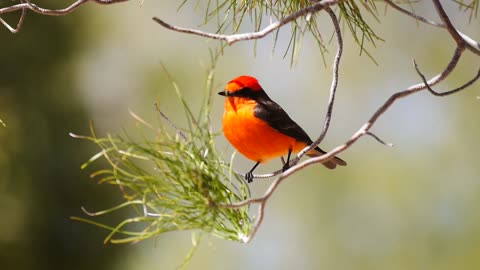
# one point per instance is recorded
(223, 93)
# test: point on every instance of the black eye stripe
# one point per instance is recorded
(245, 92)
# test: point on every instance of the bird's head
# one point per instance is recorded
(243, 86)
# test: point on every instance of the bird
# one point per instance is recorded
(260, 129)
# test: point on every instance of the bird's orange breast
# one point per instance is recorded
(253, 137)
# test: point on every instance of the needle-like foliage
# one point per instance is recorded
(470, 6)
(230, 15)
(173, 180)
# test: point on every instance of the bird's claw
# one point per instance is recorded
(285, 167)
(249, 177)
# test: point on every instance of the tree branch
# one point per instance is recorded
(27, 5)
(230, 39)
(472, 81)
(448, 24)
(333, 87)
(19, 24)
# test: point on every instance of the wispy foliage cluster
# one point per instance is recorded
(174, 180)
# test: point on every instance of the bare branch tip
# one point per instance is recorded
(414, 63)
(159, 21)
(443, 94)
(378, 139)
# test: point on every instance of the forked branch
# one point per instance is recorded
(453, 91)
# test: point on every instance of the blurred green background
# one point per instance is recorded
(414, 206)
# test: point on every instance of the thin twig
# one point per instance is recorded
(260, 176)
(19, 24)
(230, 39)
(413, 15)
(331, 98)
(50, 12)
(378, 139)
(333, 87)
(165, 117)
(55, 12)
(435, 93)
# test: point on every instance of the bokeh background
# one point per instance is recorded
(413, 206)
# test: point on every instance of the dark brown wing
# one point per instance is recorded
(270, 112)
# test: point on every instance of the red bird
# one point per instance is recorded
(260, 129)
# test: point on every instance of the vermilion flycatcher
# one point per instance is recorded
(260, 129)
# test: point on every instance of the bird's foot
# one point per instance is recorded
(249, 177)
(285, 167)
